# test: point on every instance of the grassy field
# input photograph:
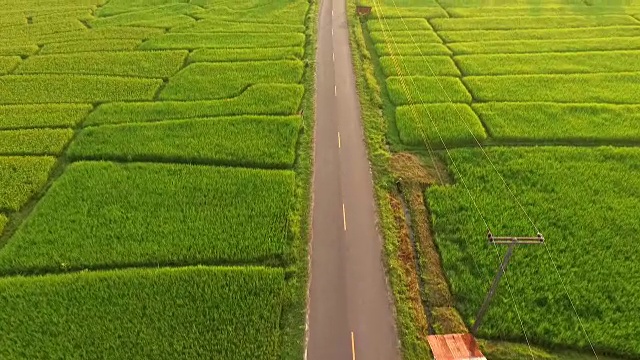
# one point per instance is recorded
(551, 92)
(154, 178)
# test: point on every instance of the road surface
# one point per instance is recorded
(350, 312)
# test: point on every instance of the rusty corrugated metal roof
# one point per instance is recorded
(455, 347)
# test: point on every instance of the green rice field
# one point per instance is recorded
(551, 91)
(154, 176)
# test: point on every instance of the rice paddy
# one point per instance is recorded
(151, 191)
(551, 93)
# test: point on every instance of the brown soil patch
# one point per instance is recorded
(410, 169)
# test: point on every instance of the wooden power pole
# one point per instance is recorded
(512, 242)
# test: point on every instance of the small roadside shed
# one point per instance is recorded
(455, 347)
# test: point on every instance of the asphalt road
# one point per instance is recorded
(350, 311)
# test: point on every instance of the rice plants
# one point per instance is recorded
(550, 63)
(390, 49)
(266, 11)
(20, 178)
(223, 40)
(398, 25)
(42, 116)
(566, 123)
(215, 25)
(8, 63)
(161, 16)
(33, 89)
(264, 99)
(115, 7)
(419, 65)
(408, 12)
(536, 46)
(189, 313)
(536, 10)
(89, 46)
(584, 200)
(157, 64)
(34, 141)
(540, 34)
(101, 34)
(405, 37)
(252, 141)
(620, 88)
(34, 30)
(105, 215)
(3, 222)
(18, 50)
(533, 22)
(438, 125)
(426, 89)
(235, 55)
(194, 41)
(204, 81)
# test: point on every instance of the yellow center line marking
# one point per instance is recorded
(334, 56)
(331, 32)
(339, 142)
(335, 90)
(353, 347)
(344, 218)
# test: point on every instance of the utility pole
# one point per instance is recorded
(512, 242)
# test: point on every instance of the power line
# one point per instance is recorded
(380, 13)
(503, 181)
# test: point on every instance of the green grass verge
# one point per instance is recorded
(205, 81)
(157, 64)
(405, 37)
(426, 89)
(236, 55)
(192, 41)
(263, 99)
(606, 88)
(190, 313)
(21, 178)
(580, 199)
(536, 46)
(106, 215)
(33, 89)
(8, 63)
(540, 34)
(563, 63)
(18, 50)
(435, 124)
(398, 25)
(214, 25)
(412, 49)
(531, 122)
(252, 141)
(39, 116)
(419, 65)
(88, 46)
(34, 141)
(533, 22)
